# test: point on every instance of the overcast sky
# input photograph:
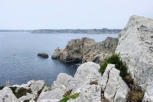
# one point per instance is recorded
(60, 14)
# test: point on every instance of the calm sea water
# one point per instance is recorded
(18, 56)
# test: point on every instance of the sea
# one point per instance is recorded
(19, 62)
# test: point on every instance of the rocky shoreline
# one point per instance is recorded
(85, 50)
(89, 84)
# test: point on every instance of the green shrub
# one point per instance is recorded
(115, 59)
(1, 87)
(135, 94)
(66, 98)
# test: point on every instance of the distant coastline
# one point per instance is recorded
(78, 31)
(75, 31)
(15, 30)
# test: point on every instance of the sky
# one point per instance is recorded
(71, 14)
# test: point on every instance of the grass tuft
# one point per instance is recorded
(66, 98)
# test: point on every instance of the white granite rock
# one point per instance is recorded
(136, 49)
(88, 93)
(51, 96)
(148, 96)
(62, 82)
(113, 87)
(85, 74)
(27, 97)
(6, 95)
(37, 86)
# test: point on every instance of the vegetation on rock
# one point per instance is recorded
(20, 92)
(67, 93)
(135, 96)
(136, 93)
(26, 100)
(115, 59)
(66, 98)
(1, 87)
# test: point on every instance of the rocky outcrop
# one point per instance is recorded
(87, 83)
(6, 95)
(113, 87)
(136, 49)
(43, 55)
(148, 96)
(28, 92)
(86, 49)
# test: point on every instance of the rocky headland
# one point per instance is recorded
(85, 50)
(123, 71)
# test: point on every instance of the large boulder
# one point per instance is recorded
(6, 95)
(62, 82)
(86, 82)
(86, 73)
(35, 88)
(86, 49)
(114, 88)
(136, 49)
(53, 95)
(88, 93)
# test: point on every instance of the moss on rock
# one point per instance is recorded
(20, 92)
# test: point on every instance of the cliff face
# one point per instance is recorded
(86, 49)
(136, 49)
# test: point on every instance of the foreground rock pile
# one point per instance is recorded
(87, 81)
(86, 49)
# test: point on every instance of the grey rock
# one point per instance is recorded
(148, 96)
(51, 96)
(6, 95)
(86, 49)
(89, 93)
(56, 54)
(113, 87)
(62, 82)
(134, 47)
(85, 74)
(43, 55)
(37, 86)
(28, 96)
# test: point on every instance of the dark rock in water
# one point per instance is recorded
(85, 50)
(43, 55)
